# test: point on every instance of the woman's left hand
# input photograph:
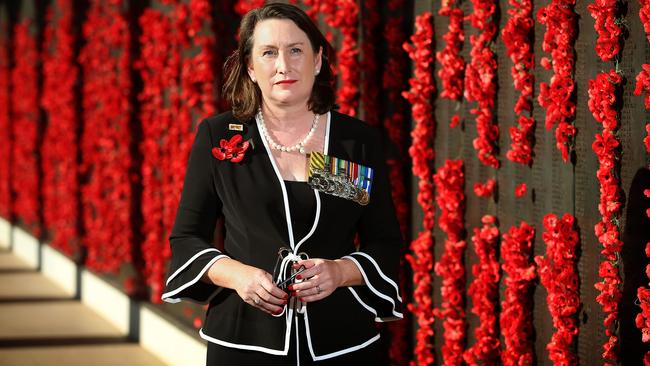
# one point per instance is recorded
(322, 277)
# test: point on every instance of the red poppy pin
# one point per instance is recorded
(232, 150)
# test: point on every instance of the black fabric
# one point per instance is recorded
(375, 354)
(249, 197)
(303, 206)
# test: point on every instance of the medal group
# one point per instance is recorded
(340, 178)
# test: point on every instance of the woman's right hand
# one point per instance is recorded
(254, 285)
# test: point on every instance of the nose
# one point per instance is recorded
(281, 63)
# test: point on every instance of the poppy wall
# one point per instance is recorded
(519, 159)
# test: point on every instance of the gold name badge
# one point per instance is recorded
(235, 127)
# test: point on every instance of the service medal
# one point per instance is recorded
(340, 178)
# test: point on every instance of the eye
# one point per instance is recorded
(296, 50)
(266, 53)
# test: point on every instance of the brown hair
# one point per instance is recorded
(245, 96)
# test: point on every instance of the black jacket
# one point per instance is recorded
(251, 196)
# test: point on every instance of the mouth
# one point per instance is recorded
(285, 82)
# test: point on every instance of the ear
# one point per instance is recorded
(318, 59)
(251, 72)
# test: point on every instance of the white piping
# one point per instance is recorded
(337, 353)
(186, 264)
(361, 302)
(297, 346)
(369, 285)
(174, 301)
(169, 294)
(287, 335)
(326, 144)
(326, 148)
(377, 319)
(279, 176)
(387, 319)
(284, 189)
(247, 346)
(179, 299)
(388, 279)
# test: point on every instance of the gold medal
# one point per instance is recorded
(364, 199)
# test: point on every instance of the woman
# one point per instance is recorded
(250, 167)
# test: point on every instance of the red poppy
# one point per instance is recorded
(520, 190)
(450, 197)
(60, 174)
(25, 126)
(185, 76)
(485, 189)
(643, 78)
(243, 7)
(455, 120)
(6, 209)
(559, 38)
(233, 149)
(344, 15)
(517, 36)
(484, 293)
(480, 85)
(516, 309)
(452, 64)
(603, 105)
(197, 322)
(422, 155)
(105, 61)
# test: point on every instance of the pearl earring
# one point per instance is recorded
(317, 72)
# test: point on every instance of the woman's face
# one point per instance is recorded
(283, 63)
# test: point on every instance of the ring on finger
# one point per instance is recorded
(318, 290)
(256, 301)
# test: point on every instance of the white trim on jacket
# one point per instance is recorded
(167, 296)
(337, 353)
(373, 289)
(386, 278)
(189, 261)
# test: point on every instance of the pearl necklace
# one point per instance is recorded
(300, 146)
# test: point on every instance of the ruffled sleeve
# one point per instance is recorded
(378, 257)
(191, 239)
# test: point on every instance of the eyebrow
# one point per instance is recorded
(289, 45)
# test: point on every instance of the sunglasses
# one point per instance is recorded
(283, 284)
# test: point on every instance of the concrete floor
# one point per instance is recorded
(42, 325)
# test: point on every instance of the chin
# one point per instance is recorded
(289, 99)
